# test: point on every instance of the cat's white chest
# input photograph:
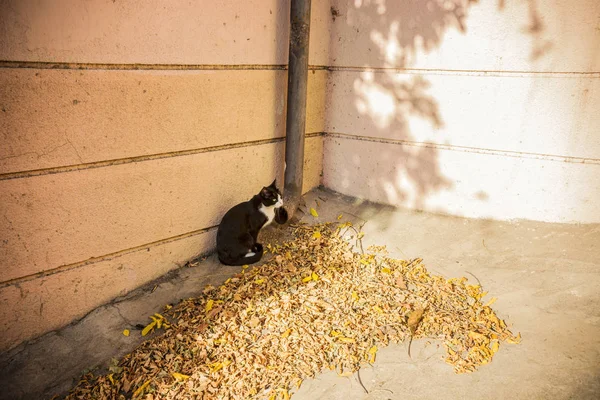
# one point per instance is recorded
(269, 212)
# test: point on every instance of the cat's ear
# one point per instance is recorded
(264, 193)
(274, 184)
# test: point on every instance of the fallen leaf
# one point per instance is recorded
(386, 270)
(254, 322)
(514, 339)
(209, 305)
(141, 389)
(492, 301)
(316, 235)
(126, 332)
(354, 296)
(495, 347)
(180, 377)
(148, 328)
(400, 283)
(414, 318)
(314, 212)
(372, 354)
(314, 276)
(339, 217)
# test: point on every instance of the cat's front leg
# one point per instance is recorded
(281, 215)
(257, 248)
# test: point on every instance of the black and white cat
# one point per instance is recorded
(238, 231)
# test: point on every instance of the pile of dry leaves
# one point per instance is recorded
(316, 304)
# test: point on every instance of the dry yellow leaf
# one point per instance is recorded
(307, 279)
(316, 235)
(126, 332)
(378, 309)
(314, 212)
(259, 281)
(414, 318)
(141, 389)
(111, 379)
(209, 305)
(514, 339)
(216, 366)
(495, 346)
(492, 301)
(314, 276)
(386, 270)
(475, 335)
(286, 333)
(372, 354)
(219, 365)
(180, 377)
(340, 216)
(354, 296)
(335, 333)
(148, 328)
(346, 340)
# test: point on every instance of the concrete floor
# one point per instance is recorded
(546, 278)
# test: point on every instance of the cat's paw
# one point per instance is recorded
(281, 215)
(257, 248)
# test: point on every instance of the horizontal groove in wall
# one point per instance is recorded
(465, 149)
(146, 67)
(434, 71)
(128, 160)
(105, 257)
(250, 67)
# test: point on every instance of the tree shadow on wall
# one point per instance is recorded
(534, 28)
(390, 102)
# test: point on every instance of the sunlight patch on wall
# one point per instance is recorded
(375, 101)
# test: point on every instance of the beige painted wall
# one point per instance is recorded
(113, 174)
(478, 109)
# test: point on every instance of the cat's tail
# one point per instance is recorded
(241, 260)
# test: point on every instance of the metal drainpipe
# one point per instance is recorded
(296, 102)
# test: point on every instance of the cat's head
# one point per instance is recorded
(271, 196)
